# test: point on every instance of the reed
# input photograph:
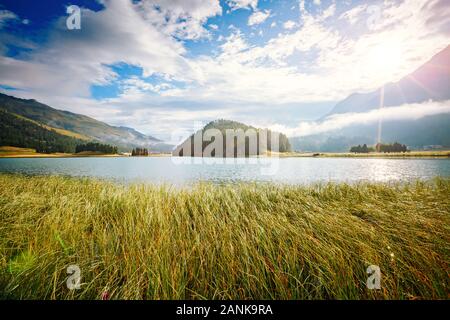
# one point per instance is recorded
(248, 241)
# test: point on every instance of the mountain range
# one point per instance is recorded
(430, 82)
(79, 126)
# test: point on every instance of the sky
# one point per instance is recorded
(161, 65)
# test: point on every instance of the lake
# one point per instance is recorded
(279, 170)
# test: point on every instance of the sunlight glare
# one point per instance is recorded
(385, 59)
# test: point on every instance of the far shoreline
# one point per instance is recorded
(432, 154)
(441, 154)
(17, 152)
(69, 155)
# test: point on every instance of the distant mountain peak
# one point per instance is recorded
(431, 81)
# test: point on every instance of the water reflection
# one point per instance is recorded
(287, 170)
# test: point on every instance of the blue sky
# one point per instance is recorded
(159, 65)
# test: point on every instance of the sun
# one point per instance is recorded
(385, 59)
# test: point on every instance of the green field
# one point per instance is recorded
(252, 241)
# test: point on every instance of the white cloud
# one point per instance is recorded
(252, 74)
(73, 61)
(258, 17)
(135, 85)
(289, 25)
(329, 12)
(340, 66)
(243, 4)
(354, 14)
(214, 26)
(5, 16)
(340, 121)
(182, 18)
(273, 24)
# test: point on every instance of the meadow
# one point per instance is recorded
(246, 241)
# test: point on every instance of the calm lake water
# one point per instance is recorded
(283, 170)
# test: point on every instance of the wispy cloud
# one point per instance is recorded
(289, 24)
(258, 17)
(183, 19)
(339, 121)
(243, 4)
(6, 15)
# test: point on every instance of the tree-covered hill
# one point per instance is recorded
(224, 125)
(92, 129)
(20, 132)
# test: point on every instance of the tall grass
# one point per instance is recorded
(252, 241)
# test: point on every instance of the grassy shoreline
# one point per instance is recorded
(14, 152)
(245, 241)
